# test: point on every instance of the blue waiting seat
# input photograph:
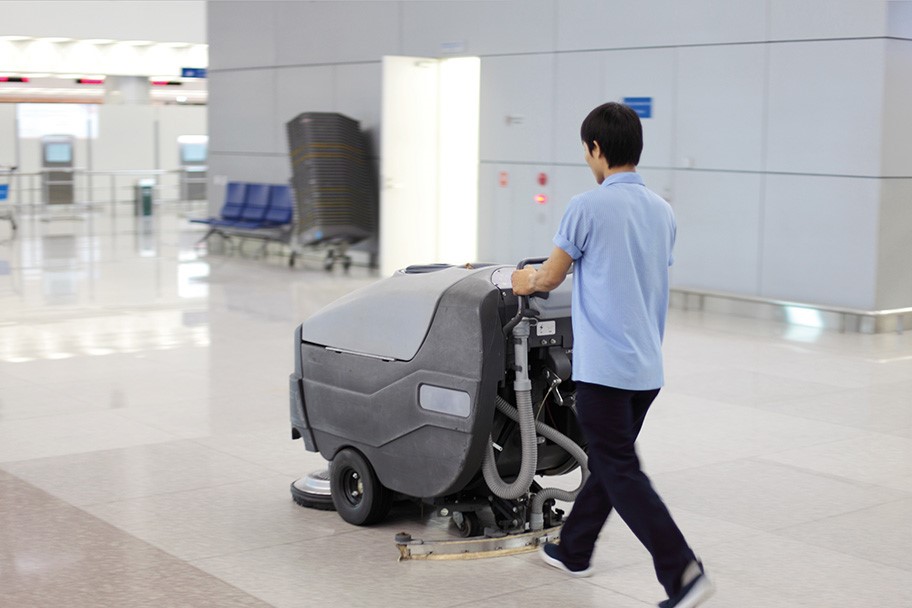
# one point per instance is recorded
(233, 207)
(258, 211)
(281, 205)
(256, 204)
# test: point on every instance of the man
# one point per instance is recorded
(620, 237)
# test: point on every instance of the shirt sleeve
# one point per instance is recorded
(573, 230)
(673, 238)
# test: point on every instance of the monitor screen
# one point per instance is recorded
(58, 153)
(193, 153)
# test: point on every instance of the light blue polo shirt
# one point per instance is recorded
(621, 237)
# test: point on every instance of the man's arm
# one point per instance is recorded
(551, 274)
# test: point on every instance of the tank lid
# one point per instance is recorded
(387, 319)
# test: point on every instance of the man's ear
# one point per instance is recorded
(596, 150)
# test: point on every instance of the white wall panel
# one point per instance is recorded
(894, 276)
(819, 241)
(520, 87)
(579, 87)
(660, 181)
(242, 112)
(238, 167)
(720, 21)
(126, 138)
(646, 73)
(718, 216)
(335, 32)
(8, 134)
(825, 104)
(512, 225)
(357, 90)
(815, 19)
(241, 35)
(587, 25)
(897, 116)
(899, 18)
(174, 121)
(172, 21)
(568, 181)
(494, 216)
(435, 29)
(300, 89)
(720, 107)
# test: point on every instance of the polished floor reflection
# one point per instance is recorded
(145, 452)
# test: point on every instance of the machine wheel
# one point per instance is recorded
(357, 494)
(467, 524)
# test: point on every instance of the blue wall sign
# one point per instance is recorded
(641, 105)
(193, 72)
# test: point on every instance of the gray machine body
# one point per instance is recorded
(407, 371)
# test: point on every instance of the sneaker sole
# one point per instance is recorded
(556, 563)
(702, 590)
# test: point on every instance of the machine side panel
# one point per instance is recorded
(373, 404)
(300, 427)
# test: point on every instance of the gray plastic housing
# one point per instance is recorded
(361, 364)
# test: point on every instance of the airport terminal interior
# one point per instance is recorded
(146, 453)
(146, 456)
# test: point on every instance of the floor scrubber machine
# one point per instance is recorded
(439, 384)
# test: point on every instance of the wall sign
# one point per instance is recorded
(641, 105)
(193, 72)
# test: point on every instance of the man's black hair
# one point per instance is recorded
(618, 131)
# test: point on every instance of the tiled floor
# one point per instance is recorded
(145, 452)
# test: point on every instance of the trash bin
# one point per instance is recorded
(142, 199)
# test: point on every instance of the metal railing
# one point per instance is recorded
(821, 316)
(30, 193)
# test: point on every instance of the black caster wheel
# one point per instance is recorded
(467, 524)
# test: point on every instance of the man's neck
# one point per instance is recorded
(609, 171)
(620, 169)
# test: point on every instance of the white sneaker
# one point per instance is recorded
(696, 589)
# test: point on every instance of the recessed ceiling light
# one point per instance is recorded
(15, 38)
(175, 45)
(98, 41)
(137, 42)
(55, 39)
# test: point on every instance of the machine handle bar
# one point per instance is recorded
(524, 310)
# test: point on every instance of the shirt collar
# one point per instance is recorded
(628, 177)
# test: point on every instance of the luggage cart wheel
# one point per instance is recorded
(357, 494)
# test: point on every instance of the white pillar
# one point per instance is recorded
(127, 90)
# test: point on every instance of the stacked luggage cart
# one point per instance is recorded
(334, 183)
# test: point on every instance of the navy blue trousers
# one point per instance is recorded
(611, 420)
